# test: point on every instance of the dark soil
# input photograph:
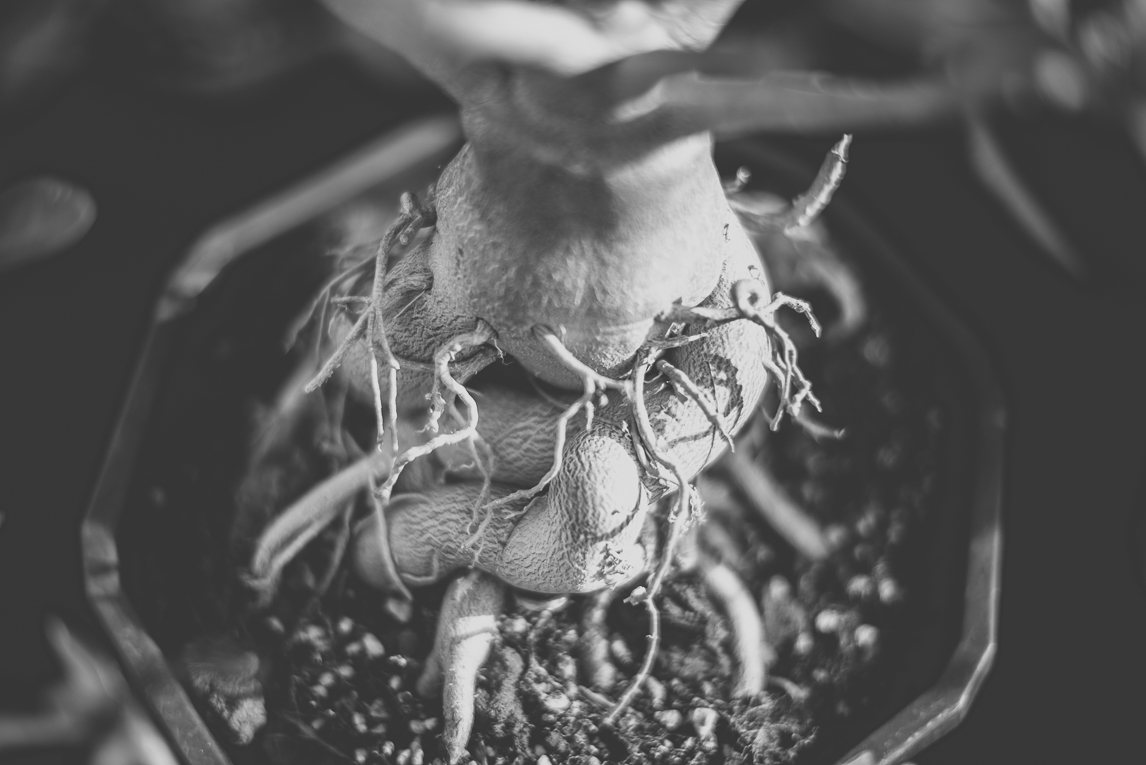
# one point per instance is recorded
(337, 673)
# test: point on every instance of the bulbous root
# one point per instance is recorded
(467, 626)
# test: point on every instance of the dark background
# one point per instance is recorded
(1068, 681)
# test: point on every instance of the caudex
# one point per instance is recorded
(584, 234)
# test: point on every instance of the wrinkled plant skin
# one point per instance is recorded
(553, 215)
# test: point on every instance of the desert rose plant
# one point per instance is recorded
(583, 238)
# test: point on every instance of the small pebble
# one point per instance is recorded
(345, 671)
(821, 675)
(828, 621)
(430, 723)
(319, 691)
(620, 650)
(868, 523)
(395, 682)
(896, 532)
(837, 536)
(373, 646)
(704, 722)
(403, 757)
(670, 718)
(864, 553)
(779, 588)
(656, 691)
(861, 587)
(804, 644)
(360, 756)
(359, 722)
(890, 591)
(326, 679)
(567, 668)
(889, 456)
(399, 661)
(387, 749)
(518, 625)
(877, 351)
(317, 723)
(558, 703)
(275, 625)
(867, 638)
(353, 649)
(345, 625)
(543, 760)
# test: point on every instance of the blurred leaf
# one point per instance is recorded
(40, 218)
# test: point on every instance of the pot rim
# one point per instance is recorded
(924, 720)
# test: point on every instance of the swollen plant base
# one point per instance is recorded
(339, 674)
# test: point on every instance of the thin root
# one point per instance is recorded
(749, 296)
(442, 358)
(686, 387)
(679, 519)
(576, 366)
(805, 208)
(808, 206)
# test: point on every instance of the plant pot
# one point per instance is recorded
(140, 556)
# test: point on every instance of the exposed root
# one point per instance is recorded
(751, 301)
(776, 507)
(466, 629)
(737, 184)
(797, 692)
(807, 207)
(442, 358)
(684, 385)
(334, 361)
(336, 555)
(321, 301)
(382, 567)
(678, 520)
(576, 366)
(584, 402)
(596, 663)
(412, 217)
(304, 520)
(753, 653)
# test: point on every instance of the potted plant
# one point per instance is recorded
(609, 360)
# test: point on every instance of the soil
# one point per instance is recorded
(333, 675)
